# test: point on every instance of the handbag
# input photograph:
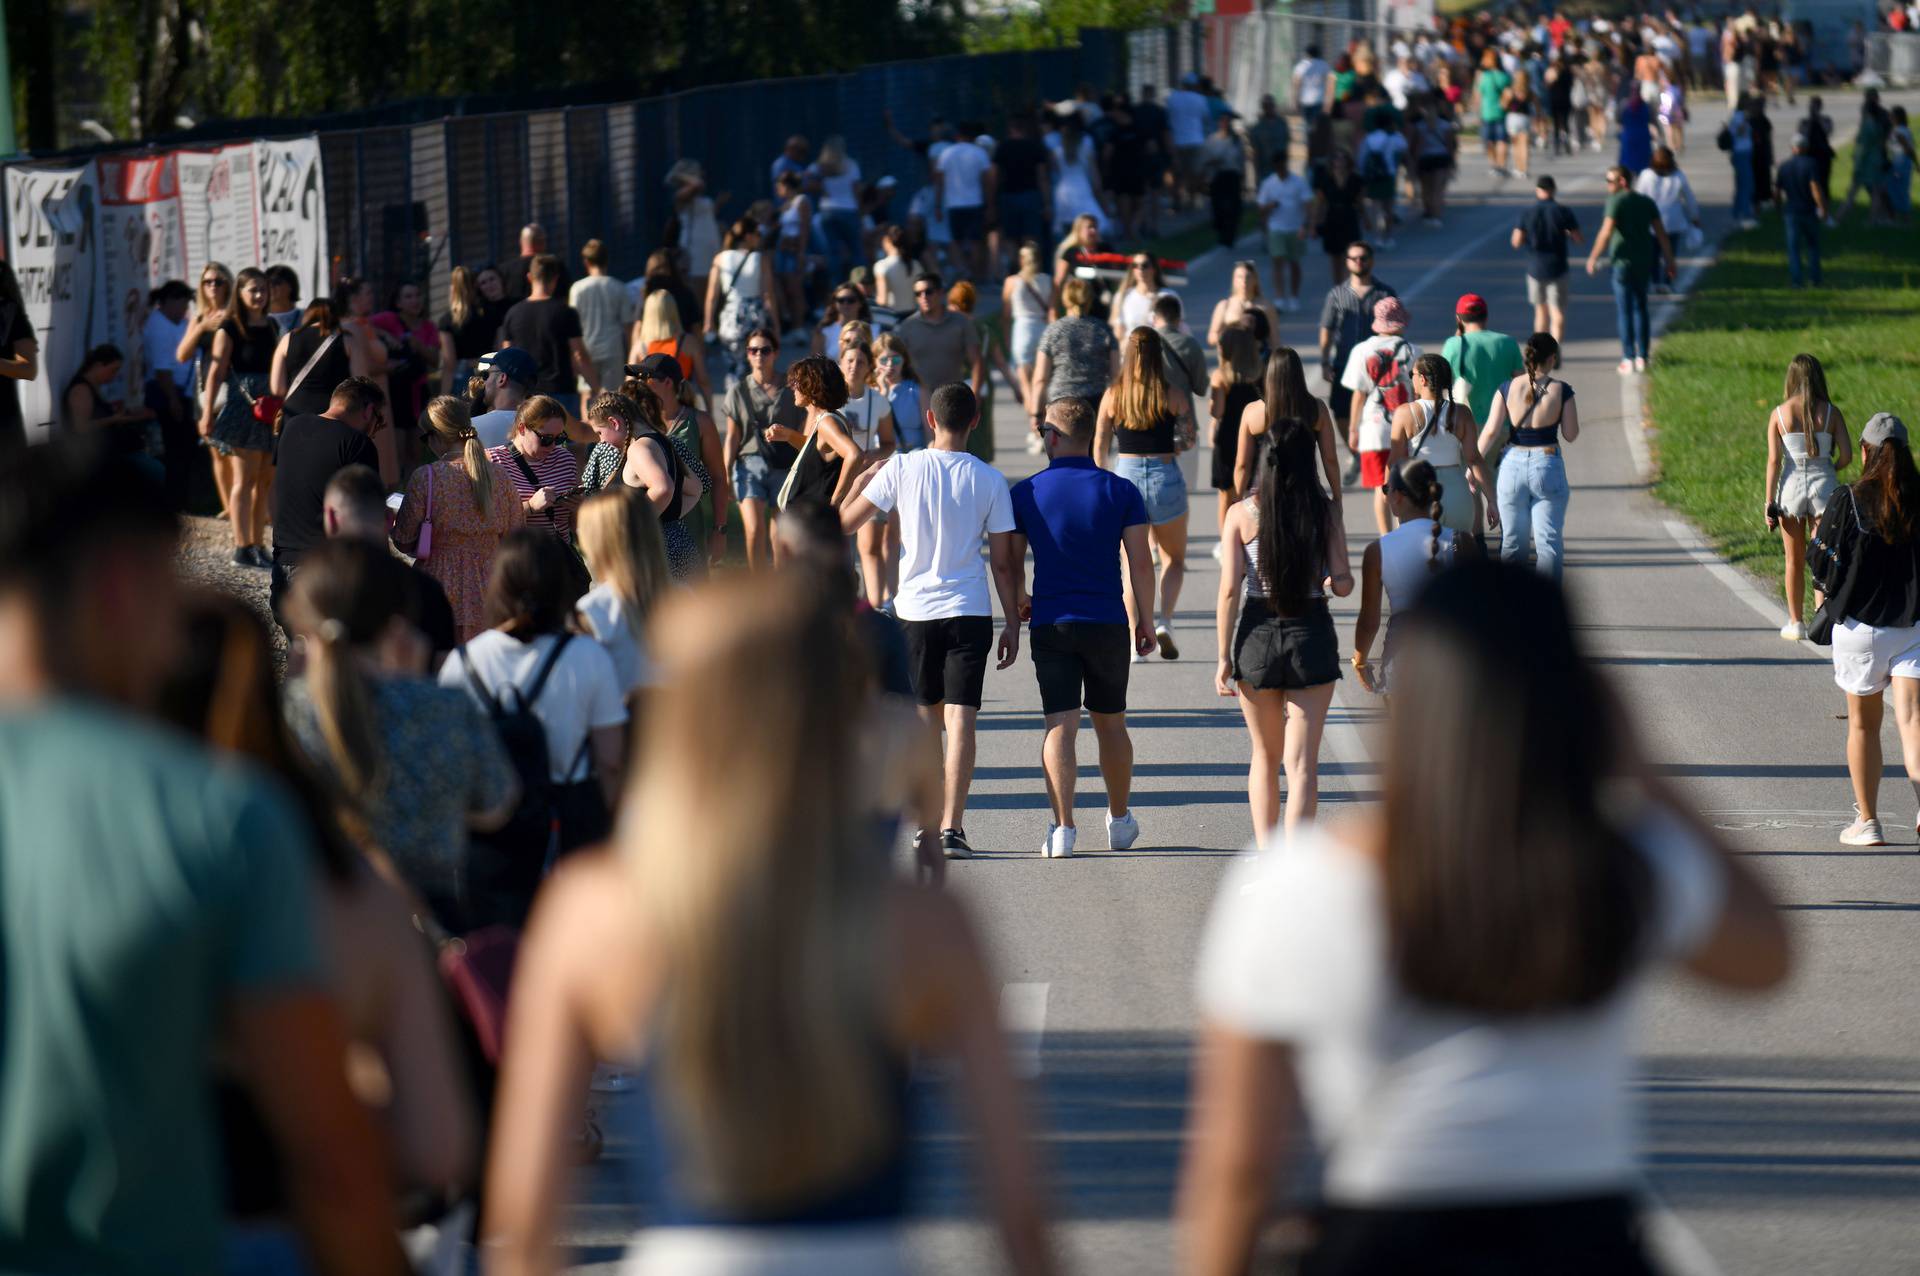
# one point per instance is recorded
(299, 379)
(1828, 567)
(424, 550)
(478, 971)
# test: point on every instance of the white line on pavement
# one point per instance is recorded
(1683, 1253)
(1023, 1016)
(1633, 398)
(1743, 589)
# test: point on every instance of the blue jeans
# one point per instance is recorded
(1742, 187)
(1630, 311)
(841, 227)
(1803, 239)
(1532, 494)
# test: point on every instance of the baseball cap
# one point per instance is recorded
(657, 367)
(1470, 303)
(1884, 427)
(514, 362)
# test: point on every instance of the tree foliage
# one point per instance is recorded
(1052, 23)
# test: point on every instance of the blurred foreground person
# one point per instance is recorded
(1449, 989)
(742, 949)
(164, 905)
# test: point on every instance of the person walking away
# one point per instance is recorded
(1021, 165)
(1027, 295)
(1346, 320)
(1185, 357)
(1560, 86)
(456, 509)
(242, 361)
(210, 923)
(1382, 152)
(1338, 205)
(1803, 207)
(1633, 238)
(1149, 422)
(1544, 230)
(1285, 198)
(1378, 382)
(758, 466)
(1223, 163)
(1434, 143)
(1806, 447)
(1310, 77)
(518, 272)
(1077, 354)
(730, 953)
(1672, 194)
(1279, 655)
(470, 326)
(1187, 126)
(1482, 360)
(1376, 967)
(947, 500)
(1235, 387)
(1901, 159)
(355, 509)
(1865, 558)
(549, 329)
(1736, 139)
(1077, 184)
(698, 239)
(606, 314)
(1870, 159)
(893, 273)
(944, 346)
(1521, 107)
(1817, 126)
(621, 543)
(1283, 394)
(1636, 133)
(1532, 484)
(1085, 525)
(1396, 567)
(1438, 429)
(962, 196)
(661, 331)
(312, 449)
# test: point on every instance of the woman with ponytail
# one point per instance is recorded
(455, 512)
(1436, 428)
(412, 765)
(1402, 562)
(1533, 416)
(1284, 393)
(1286, 553)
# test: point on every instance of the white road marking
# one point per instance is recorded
(1023, 1017)
(1675, 1246)
(1774, 613)
(1633, 399)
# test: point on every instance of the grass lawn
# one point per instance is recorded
(1187, 244)
(1721, 366)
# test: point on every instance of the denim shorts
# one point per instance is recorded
(1493, 130)
(755, 480)
(1161, 485)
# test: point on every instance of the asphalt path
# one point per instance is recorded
(1783, 1134)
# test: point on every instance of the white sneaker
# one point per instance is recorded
(1059, 843)
(1164, 636)
(1793, 631)
(1219, 551)
(1863, 833)
(1626, 367)
(1122, 831)
(1639, 364)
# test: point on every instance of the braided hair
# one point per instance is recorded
(1417, 481)
(1438, 373)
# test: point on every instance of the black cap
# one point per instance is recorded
(657, 367)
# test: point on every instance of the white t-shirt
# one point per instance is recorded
(899, 277)
(962, 167)
(1186, 117)
(1290, 197)
(608, 621)
(947, 501)
(837, 190)
(1418, 1104)
(1376, 430)
(582, 692)
(1311, 75)
(495, 427)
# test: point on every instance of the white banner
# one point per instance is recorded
(140, 249)
(293, 211)
(50, 241)
(219, 216)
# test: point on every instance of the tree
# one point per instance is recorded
(1053, 23)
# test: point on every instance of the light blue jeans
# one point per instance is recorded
(1533, 506)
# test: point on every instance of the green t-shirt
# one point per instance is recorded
(1631, 248)
(1490, 86)
(1488, 360)
(143, 887)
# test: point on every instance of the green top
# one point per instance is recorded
(1631, 248)
(1490, 86)
(1488, 360)
(143, 887)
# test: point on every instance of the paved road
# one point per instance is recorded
(1784, 1134)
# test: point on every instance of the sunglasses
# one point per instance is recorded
(925, 292)
(848, 299)
(894, 360)
(755, 350)
(1361, 257)
(548, 440)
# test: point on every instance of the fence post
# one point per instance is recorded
(360, 202)
(606, 186)
(493, 190)
(451, 167)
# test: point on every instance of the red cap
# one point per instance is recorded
(1471, 303)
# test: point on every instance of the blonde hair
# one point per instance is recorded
(742, 833)
(620, 537)
(660, 319)
(887, 343)
(1076, 296)
(463, 295)
(452, 420)
(1806, 386)
(1141, 397)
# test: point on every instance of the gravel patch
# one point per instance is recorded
(206, 558)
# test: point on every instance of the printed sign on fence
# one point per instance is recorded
(293, 211)
(219, 216)
(50, 226)
(140, 249)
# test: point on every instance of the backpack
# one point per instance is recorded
(1374, 166)
(1391, 383)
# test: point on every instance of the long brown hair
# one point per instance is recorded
(763, 896)
(1806, 386)
(463, 295)
(1293, 515)
(1888, 491)
(1508, 892)
(1141, 396)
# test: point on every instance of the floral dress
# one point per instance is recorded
(464, 536)
(603, 468)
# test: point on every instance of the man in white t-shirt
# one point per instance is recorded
(1187, 121)
(947, 500)
(1374, 381)
(966, 180)
(1310, 86)
(1284, 198)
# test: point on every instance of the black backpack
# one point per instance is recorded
(507, 863)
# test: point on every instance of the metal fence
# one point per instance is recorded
(1894, 56)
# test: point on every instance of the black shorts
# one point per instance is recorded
(1573, 1237)
(947, 659)
(968, 225)
(1435, 163)
(1273, 653)
(1073, 656)
(1226, 451)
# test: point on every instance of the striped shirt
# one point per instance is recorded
(555, 467)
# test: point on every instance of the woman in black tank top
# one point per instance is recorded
(1149, 421)
(237, 379)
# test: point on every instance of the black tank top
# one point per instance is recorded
(1155, 440)
(253, 349)
(311, 396)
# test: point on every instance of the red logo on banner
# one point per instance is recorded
(137, 181)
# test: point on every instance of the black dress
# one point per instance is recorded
(311, 396)
(1341, 225)
(1226, 432)
(815, 475)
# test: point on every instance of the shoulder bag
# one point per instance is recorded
(424, 550)
(279, 402)
(1827, 565)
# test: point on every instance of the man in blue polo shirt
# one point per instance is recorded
(1078, 517)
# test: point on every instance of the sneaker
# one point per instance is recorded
(1863, 833)
(1639, 364)
(1164, 636)
(953, 845)
(1219, 551)
(1059, 843)
(1134, 657)
(262, 559)
(1122, 831)
(1793, 631)
(1626, 367)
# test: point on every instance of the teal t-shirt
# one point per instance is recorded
(1631, 248)
(143, 886)
(1490, 86)
(1488, 360)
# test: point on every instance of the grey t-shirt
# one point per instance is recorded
(1079, 351)
(941, 352)
(751, 408)
(1186, 361)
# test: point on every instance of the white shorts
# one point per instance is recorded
(1866, 660)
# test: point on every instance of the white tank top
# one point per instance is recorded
(1796, 442)
(1403, 560)
(860, 414)
(1438, 446)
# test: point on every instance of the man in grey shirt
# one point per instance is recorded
(1186, 359)
(942, 344)
(1345, 321)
